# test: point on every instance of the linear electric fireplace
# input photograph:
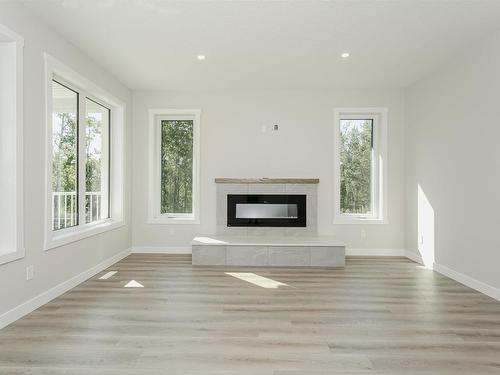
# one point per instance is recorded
(264, 210)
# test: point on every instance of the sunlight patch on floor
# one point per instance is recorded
(133, 284)
(261, 281)
(107, 275)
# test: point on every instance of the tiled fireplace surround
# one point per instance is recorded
(268, 246)
(309, 187)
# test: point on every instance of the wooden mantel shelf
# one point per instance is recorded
(266, 180)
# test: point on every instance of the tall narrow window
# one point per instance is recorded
(356, 166)
(174, 166)
(64, 156)
(360, 158)
(96, 161)
(177, 167)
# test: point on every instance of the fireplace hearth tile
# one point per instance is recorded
(247, 256)
(305, 251)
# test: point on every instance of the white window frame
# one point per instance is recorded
(379, 166)
(11, 143)
(154, 191)
(55, 69)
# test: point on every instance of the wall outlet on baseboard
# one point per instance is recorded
(30, 272)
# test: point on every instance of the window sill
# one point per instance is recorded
(69, 235)
(341, 220)
(173, 220)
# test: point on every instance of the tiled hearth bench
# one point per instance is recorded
(310, 251)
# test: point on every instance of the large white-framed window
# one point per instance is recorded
(174, 166)
(360, 172)
(11, 145)
(84, 159)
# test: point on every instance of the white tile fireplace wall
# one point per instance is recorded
(233, 144)
(310, 190)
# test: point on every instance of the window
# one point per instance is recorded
(11, 131)
(97, 136)
(64, 156)
(84, 174)
(359, 166)
(356, 166)
(174, 145)
(176, 167)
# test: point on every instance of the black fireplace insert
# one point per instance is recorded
(266, 210)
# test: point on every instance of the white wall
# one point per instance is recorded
(232, 145)
(9, 136)
(57, 265)
(453, 153)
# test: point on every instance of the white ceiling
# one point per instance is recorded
(152, 44)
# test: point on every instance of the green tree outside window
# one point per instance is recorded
(177, 166)
(356, 148)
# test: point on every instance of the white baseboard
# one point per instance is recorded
(475, 284)
(161, 250)
(187, 250)
(34, 303)
(414, 257)
(466, 280)
(375, 252)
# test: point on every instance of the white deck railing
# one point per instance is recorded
(65, 212)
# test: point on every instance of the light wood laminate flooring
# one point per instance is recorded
(376, 316)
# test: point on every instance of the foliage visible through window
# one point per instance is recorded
(176, 166)
(356, 158)
(66, 203)
(64, 156)
(96, 162)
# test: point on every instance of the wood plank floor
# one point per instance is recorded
(376, 316)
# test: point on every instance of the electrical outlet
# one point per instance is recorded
(30, 272)
(263, 129)
(421, 239)
(171, 231)
(363, 234)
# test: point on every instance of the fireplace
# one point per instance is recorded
(266, 210)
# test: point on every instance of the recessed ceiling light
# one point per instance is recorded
(201, 57)
(345, 55)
